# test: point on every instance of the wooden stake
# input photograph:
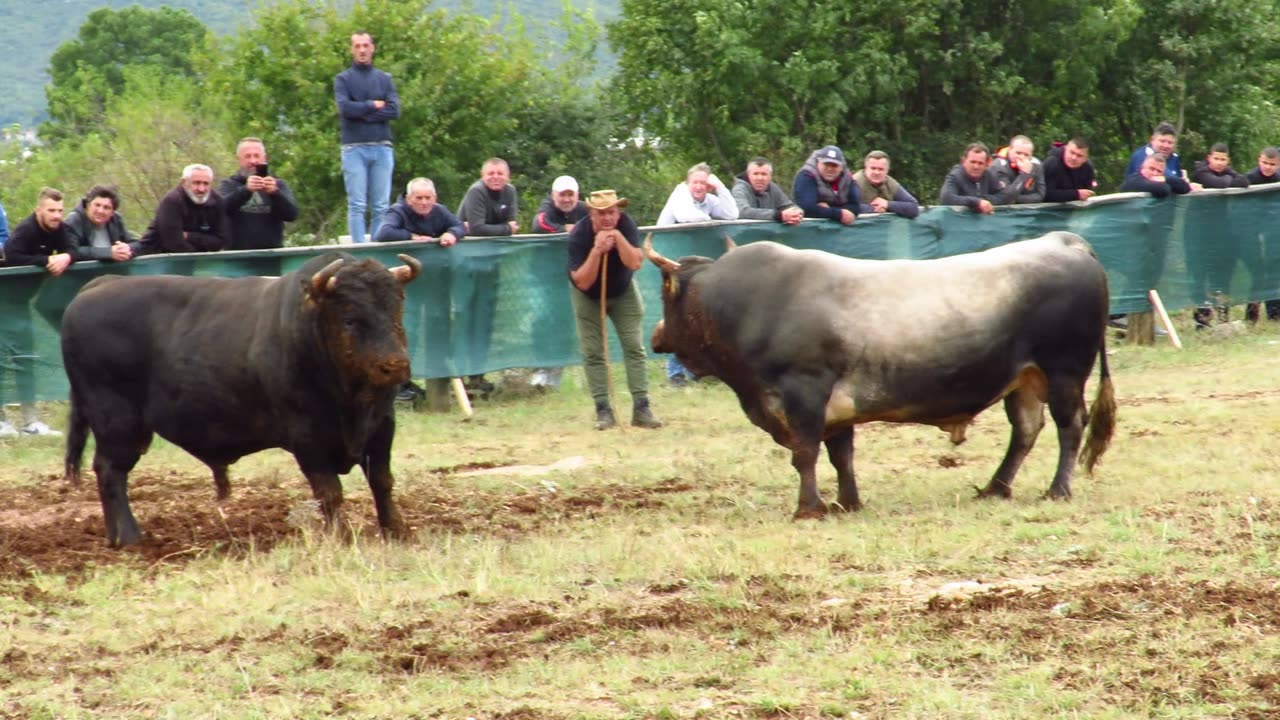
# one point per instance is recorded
(460, 394)
(1164, 317)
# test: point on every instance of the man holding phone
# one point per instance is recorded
(257, 203)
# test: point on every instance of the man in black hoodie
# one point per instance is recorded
(189, 218)
(1068, 173)
(257, 203)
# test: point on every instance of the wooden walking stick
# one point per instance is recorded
(604, 327)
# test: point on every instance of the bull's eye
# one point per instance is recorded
(351, 324)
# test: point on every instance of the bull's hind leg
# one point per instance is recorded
(1025, 411)
(1066, 405)
(221, 482)
(840, 452)
(377, 469)
(113, 491)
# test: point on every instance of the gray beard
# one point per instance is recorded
(196, 198)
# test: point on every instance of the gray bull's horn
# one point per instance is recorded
(729, 244)
(656, 258)
(408, 271)
(323, 281)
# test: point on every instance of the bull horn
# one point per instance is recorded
(408, 271)
(664, 264)
(323, 281)
(729, 244)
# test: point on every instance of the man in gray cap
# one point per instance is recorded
(824, 189)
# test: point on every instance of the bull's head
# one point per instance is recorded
(360, 304)
(684, 329)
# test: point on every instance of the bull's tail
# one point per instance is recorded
(1102, 415)
(77, 434)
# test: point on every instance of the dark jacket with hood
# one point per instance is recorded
(809, 189)
(1061, 183)
(257, 218)
(182, 226)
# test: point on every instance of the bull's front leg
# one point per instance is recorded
(326, 488)
(377, 470)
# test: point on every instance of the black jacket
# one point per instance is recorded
(257, 218)
(80, 230)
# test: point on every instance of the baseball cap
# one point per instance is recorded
(564, 182)
(831, 154)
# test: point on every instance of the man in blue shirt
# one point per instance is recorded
(367, 103)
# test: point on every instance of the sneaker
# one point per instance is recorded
(409, 392)
(678, 381)
(39, 428)
(7, 429)
(605, 418)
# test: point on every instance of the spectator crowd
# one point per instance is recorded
(249, 210)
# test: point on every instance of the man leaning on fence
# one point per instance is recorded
(760, 198)
(189, 217)
(40, 240)
(604, 253)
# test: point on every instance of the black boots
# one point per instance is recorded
(641, 415)
(604, 416)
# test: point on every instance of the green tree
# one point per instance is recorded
(86, 72)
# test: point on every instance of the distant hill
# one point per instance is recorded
(33, 30)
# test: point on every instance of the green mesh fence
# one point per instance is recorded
(490, 304)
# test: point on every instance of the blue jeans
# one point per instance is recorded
(675, 368)
(366, 171)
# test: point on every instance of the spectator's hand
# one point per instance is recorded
(879, 204)
(379, 104)
(57, 263)
(985, 207)
(515, 227)
(254, 183)
(847, 217)
(605, 241)
(792, 215)
(1085, 194)
(269, 185)
(1196, 187)
(714, 184)
(568, 227)
(121, 251)
(1024, 165)
(448, 239)
(420, 238)
(822, 204)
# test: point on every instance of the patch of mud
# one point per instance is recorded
(58, 529)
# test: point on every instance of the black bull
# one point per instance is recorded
(814, 344)
(308, 362)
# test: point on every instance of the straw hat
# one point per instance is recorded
(605, 199)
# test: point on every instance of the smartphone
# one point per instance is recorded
(261, 170)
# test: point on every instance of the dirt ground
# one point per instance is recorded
(55, 528)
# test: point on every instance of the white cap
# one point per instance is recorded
(564, 182)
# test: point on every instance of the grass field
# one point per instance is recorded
(559, 572)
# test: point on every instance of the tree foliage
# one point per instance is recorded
(726, 80)
(86, 72)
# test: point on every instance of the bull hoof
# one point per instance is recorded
(810, 513)
(72, 479)
(846, 507)
(1056, 494)
(397, 532)
(994, 491)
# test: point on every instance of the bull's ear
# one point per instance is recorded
(670, 285)
(325, 280)
(667, 266)
(408, 271)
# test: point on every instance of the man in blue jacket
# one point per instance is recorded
(367, 103)
(418, 216)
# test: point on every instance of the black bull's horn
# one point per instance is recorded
(656, 258)
(325, 280)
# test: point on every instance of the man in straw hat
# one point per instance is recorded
(604, 252)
